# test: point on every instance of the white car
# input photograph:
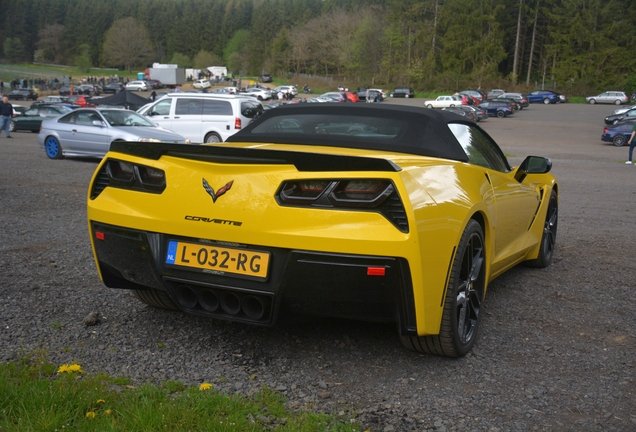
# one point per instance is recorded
(286, 89)
(137, 85)
(201, 84)
(259, 93)
(443, 102)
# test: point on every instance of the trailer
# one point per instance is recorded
(169, 76)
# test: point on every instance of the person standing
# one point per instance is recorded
(153, 96)
(6, 112)
(631, 142)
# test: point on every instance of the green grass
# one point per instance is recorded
(28, 70)
(36, 395)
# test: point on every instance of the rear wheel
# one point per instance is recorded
(501, 114)
(12, 126)
(213, 137)
(619, 140)
(155, 298)
(546, 101)
(463, 303)
(53, 148)
(617, 102)
(548, 240)
(592, 101)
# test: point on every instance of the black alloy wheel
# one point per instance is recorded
(619, 140)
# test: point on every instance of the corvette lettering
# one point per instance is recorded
(212, 220)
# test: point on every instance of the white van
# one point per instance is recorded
(203, 117)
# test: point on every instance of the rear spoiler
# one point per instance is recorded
(233, 155)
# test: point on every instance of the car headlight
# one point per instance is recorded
(149, 140)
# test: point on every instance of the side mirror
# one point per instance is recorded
(533, 165)
(98, 123)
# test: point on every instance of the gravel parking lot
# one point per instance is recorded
(556, 349)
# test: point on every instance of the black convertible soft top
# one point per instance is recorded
(391, 128)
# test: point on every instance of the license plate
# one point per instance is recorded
(226, 260)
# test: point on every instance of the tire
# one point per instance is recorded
(155, 298)
(429, 106)
(546, 101)
(548, 239)
(501, 114)
(212, 138)
(617, 102)
(592, 101)
(619, 140)
(260, 98)
(406, 96)
(11, 126)
(463, 301)
(53, 148)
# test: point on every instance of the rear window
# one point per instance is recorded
(251, 109)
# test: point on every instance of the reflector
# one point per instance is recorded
(376, 271)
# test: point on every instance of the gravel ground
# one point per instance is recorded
(556, 347)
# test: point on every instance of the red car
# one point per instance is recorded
(81, 101)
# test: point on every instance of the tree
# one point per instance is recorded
(49, 42)
(83, 60)
(181, 60)
(203, 59)
(127, 44)
(14, 50)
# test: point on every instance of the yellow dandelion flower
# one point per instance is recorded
(90, 415)
(101, 401)
(62, 369)
(74, 367)
(205, 386)
(107, 412)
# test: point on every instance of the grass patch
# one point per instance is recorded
(37, 395)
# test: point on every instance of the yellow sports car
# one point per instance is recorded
(363, 211)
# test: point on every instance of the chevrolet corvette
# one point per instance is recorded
(366, 212)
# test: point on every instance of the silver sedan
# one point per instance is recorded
(89, 132)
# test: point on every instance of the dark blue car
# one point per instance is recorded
(499, 109)
(618, 134)
(545, 96)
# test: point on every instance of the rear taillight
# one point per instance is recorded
(378, 195)
(605, 130)
(237, 123)
(126, 175)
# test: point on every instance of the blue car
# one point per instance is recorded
(618, 134)
(498, 109)
(545, 96)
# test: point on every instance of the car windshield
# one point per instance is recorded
(125, 118)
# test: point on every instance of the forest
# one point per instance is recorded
(573, 46)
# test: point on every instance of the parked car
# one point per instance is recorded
(623, 109)
(258, 93)
(266, 78)
(402, 92)
(351, 97)
(544, 96)
(519, 98)
(88, 90)
(137, 85)
(510, 101)
(90, 132)
(285, 89)
(479, 113)
(65, 90)
(362, 95)
(478, 95)
(492, 94)
(113, 87)
(154, 84)
(201, 84)
(619, 133)
(498, 109)
(81, 101)
(617, 118)
(609, 97)
(23, 94)
(312, 209)
(470, 115)
(33, 117)
(443, 102)
(58, 101)
(203, 117)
